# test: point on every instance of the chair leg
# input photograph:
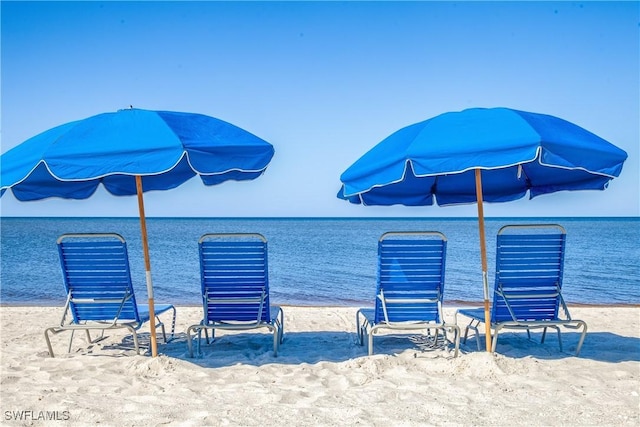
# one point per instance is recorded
(206, 335)
(160, 324)
(48, 340)
(436, 336)
(466, 333)
(544, 333)
(559, 338)
(281, 329)
(135, 338)
(364, 328)
(359, 328)
(494, 342)
(475, 328)
(71, 340)
(93, 341)
(456, 339)
(190, 339)
(278, 324)
(433, 337)
(276, 340)
(366, 332)
(164, 333)
(582, 337)
(173, 323)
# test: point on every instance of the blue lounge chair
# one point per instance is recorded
(528, 284)
(235, 287)
(410, 287)
(100, 294)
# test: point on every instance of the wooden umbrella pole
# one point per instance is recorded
(147, 267)
(483, 257)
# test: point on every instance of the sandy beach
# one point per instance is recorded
(321, 376)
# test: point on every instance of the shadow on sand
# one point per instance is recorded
(599, 346)
(255, 349)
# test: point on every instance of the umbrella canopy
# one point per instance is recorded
(517, 151)
(476, 155)
(129, 152)
(166, 148)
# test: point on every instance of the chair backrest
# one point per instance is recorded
(97, 278)
(529, 270)
(235, 277)
(410, 283)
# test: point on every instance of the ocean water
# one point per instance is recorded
(316, 261)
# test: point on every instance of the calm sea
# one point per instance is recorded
(316, 261)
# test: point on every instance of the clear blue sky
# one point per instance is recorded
(323, 82)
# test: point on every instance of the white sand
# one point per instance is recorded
(321, 376)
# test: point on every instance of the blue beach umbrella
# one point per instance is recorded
(129, 152)
(476, 155)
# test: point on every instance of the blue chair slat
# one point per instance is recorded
(97, 280)
(235, 286)
(409, 287)
(528, 265)
(528, 281)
